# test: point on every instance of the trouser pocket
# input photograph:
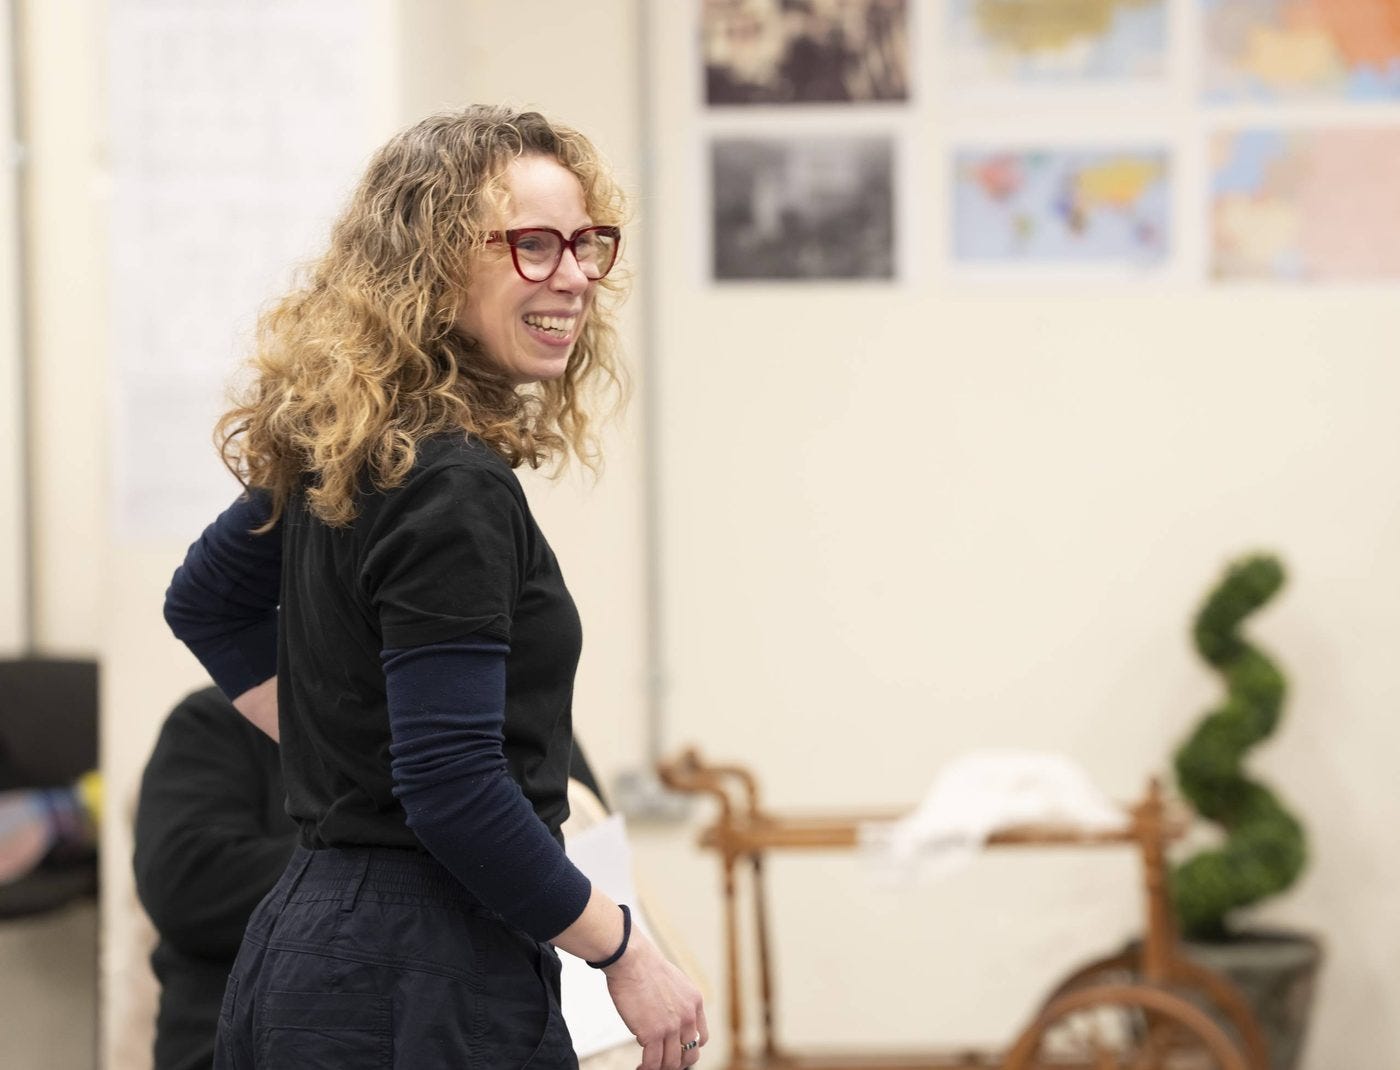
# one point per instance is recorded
(325, 1031)
(223, 1042)
(555, 1050)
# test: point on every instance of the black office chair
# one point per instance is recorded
(48, 738)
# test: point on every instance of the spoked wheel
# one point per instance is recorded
(1204, 988)
(1123, 1027)
(1125, 967)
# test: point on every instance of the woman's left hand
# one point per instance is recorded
(661, 1006)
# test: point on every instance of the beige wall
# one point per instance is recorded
(596, 529)
(904, 521)
(12, 511)
(66, 317)
(896, 522)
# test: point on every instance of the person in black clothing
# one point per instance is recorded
(382, 602)
(212, 836)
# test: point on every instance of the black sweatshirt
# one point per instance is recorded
(212, 837)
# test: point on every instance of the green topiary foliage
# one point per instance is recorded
(1264, 851)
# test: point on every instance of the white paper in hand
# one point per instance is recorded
(604, 856)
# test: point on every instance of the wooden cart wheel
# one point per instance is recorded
(1123, 968)
(1123, 1027)
(1203, 987)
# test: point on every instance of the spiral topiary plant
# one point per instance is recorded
(1264, 848)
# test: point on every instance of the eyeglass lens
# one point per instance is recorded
(538, 252)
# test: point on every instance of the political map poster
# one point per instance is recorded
(1062, 207)
(1048, 41)
(1314, 205)
(1271, 51)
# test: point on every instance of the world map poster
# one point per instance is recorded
(1291, 50)
(1307, 206)
(1061, 207)
(1056, 40)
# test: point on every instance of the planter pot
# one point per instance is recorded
(1276, 972)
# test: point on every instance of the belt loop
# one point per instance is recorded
(291, 876)
(355, 878)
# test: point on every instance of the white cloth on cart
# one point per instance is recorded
(978, 794)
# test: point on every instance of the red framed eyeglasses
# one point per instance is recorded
(537, 251)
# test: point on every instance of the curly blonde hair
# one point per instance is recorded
(363, 360)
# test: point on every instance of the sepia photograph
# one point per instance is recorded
(818, 208)
(805, 51)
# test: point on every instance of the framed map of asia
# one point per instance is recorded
(1280, 50)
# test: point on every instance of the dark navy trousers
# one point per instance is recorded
(374, 958)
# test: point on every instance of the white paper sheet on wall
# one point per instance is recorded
(237, 131)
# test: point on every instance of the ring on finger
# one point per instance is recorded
(692, 1045)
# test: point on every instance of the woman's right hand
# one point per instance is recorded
(259, 705)
(659, 1004)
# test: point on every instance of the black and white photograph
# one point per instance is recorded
(805, 51)
(814, 208)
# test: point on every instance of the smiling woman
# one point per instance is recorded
(388, 342)
(526, 311)
(383, 601)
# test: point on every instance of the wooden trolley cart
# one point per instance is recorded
(1149, 1008)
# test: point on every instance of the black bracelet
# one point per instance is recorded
(622, 947)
